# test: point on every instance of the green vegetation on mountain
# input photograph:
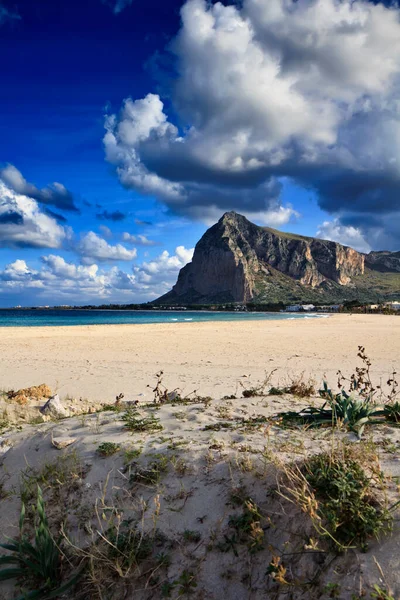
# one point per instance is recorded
(238, 262)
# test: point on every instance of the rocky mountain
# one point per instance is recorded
(237, 261)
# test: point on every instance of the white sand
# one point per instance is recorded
(99, 362)
(202, 468)
(204, 460)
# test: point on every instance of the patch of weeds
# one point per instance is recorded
(84, 515)
(245, 463)
(111, 408)
(131, 454)
(166, 589)
(96, 423)
(186, 583)
(3, 493)
(223, 412)
(108, 449)
(176, 444)
(291, 446)
(183, 494)
(301, 387)
(340, 498)
(216, 445)
(180, 415)
(297, 387)
(275, 391)
(253, 422)
(258, 390)
(218, 426)
(354, 408)
(244, 448)
(162, 559)
(36, 565)
(151, 474)
(277, 570)
(139, 424)
(238, 495)
(127, 545)
(339, 409)
(36, 421)
(121, 553)
(391, 412)
(381, 594)
(388, 446)
(191, 536)
(332, 590)
(5, 422)
(247, 529)
(181, 467)
(59, 478)
(229, 543)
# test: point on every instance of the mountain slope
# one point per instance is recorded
(237, 261)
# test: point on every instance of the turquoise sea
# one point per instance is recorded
(53, 317)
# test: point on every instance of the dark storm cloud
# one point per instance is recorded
(55, 194)
(115, 216)
(270, 90)
(56, 216)
(13, 218)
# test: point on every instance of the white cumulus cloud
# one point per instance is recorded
(22, 222)
(139, 240)
(92, 246)
(58, 281)
(346, 235)
(55, 194)
(304, 89)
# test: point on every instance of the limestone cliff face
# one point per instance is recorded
(234, 254)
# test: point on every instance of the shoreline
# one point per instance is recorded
(74, 318)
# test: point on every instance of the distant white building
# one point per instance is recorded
(330, 308)
(300, 307)
(393, 305)
(308, 307)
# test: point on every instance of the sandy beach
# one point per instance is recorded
(208, 493)
(99, 362)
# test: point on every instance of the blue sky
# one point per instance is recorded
(154, 118)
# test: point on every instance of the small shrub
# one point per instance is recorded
(150, 475)
(36, 565)
(332, 590)
(108, 449)
(339, 496)
(218, 426)
(127, 545)
(186, 583)
(381, 594)
(354, 413)
(136, 424)
(132, 454)
(297, 387)
(391, 412)
(275, 391)
(247, 526)
(260, 389)
(191, 536)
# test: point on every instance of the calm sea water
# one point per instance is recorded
(46, 318)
